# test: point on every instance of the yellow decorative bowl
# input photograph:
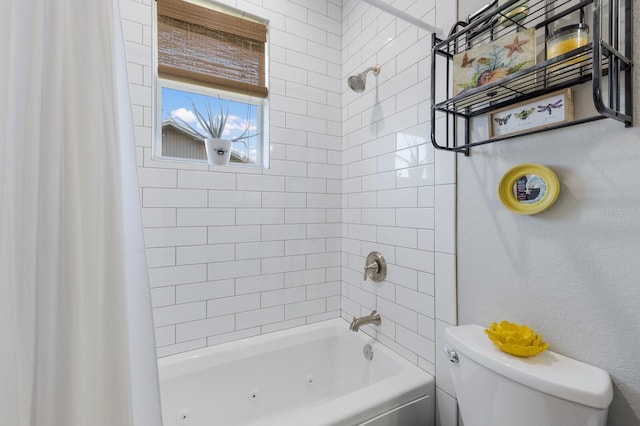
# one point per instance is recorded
(514, 339)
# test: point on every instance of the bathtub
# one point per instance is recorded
(314, 375)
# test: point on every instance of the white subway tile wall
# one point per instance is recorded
(236, 252)
(398, 193)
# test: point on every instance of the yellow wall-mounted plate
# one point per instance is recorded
(529, 188)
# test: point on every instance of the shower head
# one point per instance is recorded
(357, 82)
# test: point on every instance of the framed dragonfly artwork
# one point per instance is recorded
(550, 109)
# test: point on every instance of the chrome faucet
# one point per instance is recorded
(374, 318)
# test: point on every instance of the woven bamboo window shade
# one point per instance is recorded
(210, 48)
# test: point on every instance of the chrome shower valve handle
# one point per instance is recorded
(375, 267)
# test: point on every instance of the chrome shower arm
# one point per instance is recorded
(376, 70)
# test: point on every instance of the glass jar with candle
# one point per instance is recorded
(567, 39)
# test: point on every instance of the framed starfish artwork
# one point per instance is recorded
(486, 63)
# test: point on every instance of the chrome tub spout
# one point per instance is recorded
(374, 318)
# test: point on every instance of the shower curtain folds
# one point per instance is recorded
(75, 313)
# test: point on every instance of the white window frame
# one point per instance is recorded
(159, 83)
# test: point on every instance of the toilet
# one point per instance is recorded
(497, 389)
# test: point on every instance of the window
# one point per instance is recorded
(210, 59)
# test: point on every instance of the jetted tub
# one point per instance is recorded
(314, 375)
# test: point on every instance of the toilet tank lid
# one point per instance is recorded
(547, 372)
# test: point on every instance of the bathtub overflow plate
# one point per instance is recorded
(368, 352)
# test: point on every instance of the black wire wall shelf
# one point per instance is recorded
(605, 63)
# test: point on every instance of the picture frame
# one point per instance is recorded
(493, 61)
(528, 188)
(543, 111)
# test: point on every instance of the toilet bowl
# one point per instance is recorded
(497, 389)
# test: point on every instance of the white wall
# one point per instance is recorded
(398, 193)
(572, 271)
(235, 252)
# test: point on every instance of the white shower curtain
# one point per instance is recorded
(77, 346)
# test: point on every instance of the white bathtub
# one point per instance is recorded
(315, 375)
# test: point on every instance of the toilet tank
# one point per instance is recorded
(497, 389)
